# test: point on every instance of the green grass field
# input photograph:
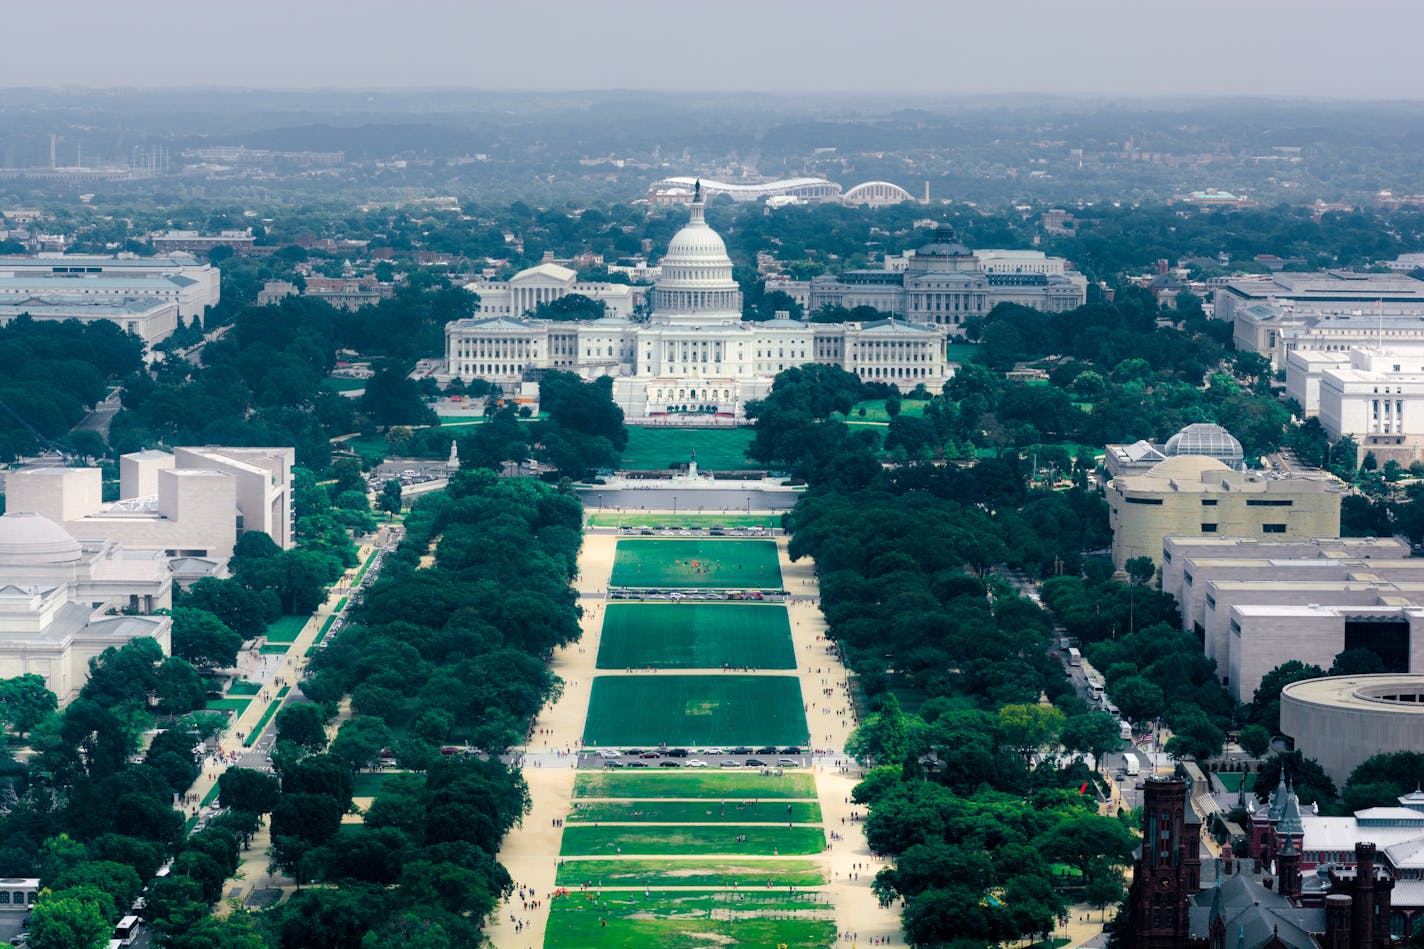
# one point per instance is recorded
(699, 871)
(644, 519)
(243, 687)
(235, 705)
(694, 635)
(961, 352)
(1231, 780)
(721, 564)
(275, 649)
(695, 710)
(696, 812)
(692, 872)
(718, 449)
(286, 629)
(370, 783)
(875, 410)
(690, 921)
(587, 840)
(719, 785)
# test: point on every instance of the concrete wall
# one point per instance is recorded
(1341, 738)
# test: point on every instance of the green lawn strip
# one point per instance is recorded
(286, 629)
(696, 521)
(691, 872)
(370, 783)
(243, 687)
(325, 628)
(360, 574)
(673, 812)
(695, 710)
(211, 796)
(693, 635)
(761, 840)
(727, 564)
(275, 649)
(718, 449)
(690, 921)
(731, 785)
(961, 352)
(1231, 780)
(235, 705)
(257, 729)
(344, 384)
(875, 410)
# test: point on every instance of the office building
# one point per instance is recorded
(97, 279)
(1374, 394)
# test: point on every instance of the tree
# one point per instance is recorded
(1139, 698)
(1304, 775)
(1095, 733)
(1354, 662)
(234, 931)
(884, 739)
(390, 501)
(1254, 739)
(244, 789)
(302, 724)
(68, 923)
(360, 741)
(1027, 728)
(24, 702)
(203, 639)
(1266, 702)
(239, 608)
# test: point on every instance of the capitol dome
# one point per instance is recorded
(696, 282)
(28, 539)
(1213, 441)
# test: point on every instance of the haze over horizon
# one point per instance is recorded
(1259, 48)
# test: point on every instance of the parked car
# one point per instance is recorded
(649, 755)
(793, 750)
(768, 750)
(676, 752)
(741, 751)
(755, 763)
(637, 764)
(609, 753)
(788, 763)
(696, 763)
(712, 751)
(669, 764)
(729, 763)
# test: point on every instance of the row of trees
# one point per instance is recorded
(450, 652)
(961, 793)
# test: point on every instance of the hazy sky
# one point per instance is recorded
(1359, 49)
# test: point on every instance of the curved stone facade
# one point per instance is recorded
(1342, 720)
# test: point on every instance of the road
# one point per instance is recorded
(103, 413)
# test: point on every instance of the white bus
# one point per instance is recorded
(1075, 658)
(1131, 765)
(127, 931)
(1125, 730)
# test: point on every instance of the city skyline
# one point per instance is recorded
(1097, 47)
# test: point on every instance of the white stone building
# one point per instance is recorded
(521, 294)
(695, 355)
(944, 283)
(151, 320)
(1256, 604)
(63, 601)
(193, 503)
(1375, 395)
(92, 278)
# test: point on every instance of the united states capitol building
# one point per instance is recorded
(694, 355)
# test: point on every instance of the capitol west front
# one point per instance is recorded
(695, 355)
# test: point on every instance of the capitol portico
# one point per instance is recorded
(695, 354)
